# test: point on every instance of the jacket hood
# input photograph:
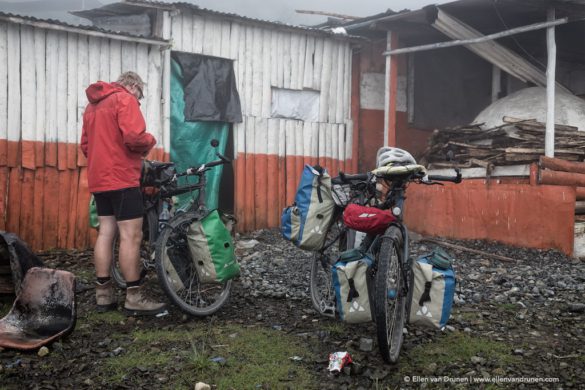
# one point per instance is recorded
(101, 90)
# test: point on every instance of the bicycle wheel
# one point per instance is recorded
(321, 283)
(149, 234)
(177, 273)
(389, 297)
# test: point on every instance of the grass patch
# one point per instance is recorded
(453, 349)
(254, 358)
(110, 317)
(335, 328)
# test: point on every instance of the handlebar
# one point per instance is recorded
(347, 179)
(453, 179)
(204, 167)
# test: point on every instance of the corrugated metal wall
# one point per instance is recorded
(43, 76)
(270, 152)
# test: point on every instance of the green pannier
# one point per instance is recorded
(212, 250)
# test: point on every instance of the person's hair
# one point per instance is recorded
(130, 79)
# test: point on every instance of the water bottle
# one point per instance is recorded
(164, 216)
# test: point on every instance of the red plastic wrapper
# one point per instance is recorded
(338, 360)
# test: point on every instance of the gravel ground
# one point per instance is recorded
(534, 306)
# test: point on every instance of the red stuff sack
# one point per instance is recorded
(367, 219)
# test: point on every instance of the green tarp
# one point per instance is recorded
(190, 142)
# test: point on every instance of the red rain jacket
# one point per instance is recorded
(114, 138)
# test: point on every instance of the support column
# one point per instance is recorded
(549, 138)
(390, 91)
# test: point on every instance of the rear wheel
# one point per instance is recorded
(390, 300)
(149, 234)
(177, 273)
(321, 283)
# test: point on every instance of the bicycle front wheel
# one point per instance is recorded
(177, 274)
(390, 300)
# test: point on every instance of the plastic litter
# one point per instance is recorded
(338, 360)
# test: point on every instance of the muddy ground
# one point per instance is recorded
(514, 325)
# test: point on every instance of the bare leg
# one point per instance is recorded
(129, 253)
(103, 246)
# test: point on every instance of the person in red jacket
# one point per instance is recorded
(114, 140)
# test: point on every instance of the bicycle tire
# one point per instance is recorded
(389, 298)
(149, 235)
(321, 282)
(177, 275)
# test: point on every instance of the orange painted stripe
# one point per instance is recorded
(13, 153)
(240, 188)
(4, 173)
(249, 202)
(13, 204)
(28, 154)
(64, 207)
(3, 152)
(281, 183)
(38, 207)
(51, 212)
(81, 160)
(71, 155)
(273, 211)
(73, 189)
(61, 156)
(39, 154)
(261, 191)
(51, 154)
(26, 203)
(82, 223)
(290, 178)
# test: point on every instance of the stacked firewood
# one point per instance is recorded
(515, 142)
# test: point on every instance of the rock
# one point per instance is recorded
(563, 365)
(518, 352)
(247, 244)
(366, 344)
(202, 386)
(88, 382)
(118, 351)
(467, 330)
(576, 307)
(477, 360)
(43, 351)
(450, 328)
(432, 367)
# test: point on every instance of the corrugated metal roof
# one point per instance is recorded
(196, 9)
(14, 18)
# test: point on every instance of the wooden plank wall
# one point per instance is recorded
(271, 152)
(43, 76)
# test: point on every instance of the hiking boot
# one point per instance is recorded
(137, 304)
(105, 297)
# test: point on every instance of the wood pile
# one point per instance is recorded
(515, 142)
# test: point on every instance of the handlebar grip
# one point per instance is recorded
(223, 158)
(452, 179)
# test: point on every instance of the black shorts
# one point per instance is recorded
(124, 204)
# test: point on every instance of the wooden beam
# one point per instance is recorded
(558, 178)
(557, 164)
(485, 38)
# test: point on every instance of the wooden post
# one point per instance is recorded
(549, 139)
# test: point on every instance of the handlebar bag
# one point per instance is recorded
(212, 249)
(367, 219)
(432, 298)
(306, 222)
(156, 173)
(351, 283)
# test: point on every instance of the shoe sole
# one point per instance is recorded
(137, 313)
(105, 308)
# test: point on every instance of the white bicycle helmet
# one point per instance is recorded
(389, 155)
